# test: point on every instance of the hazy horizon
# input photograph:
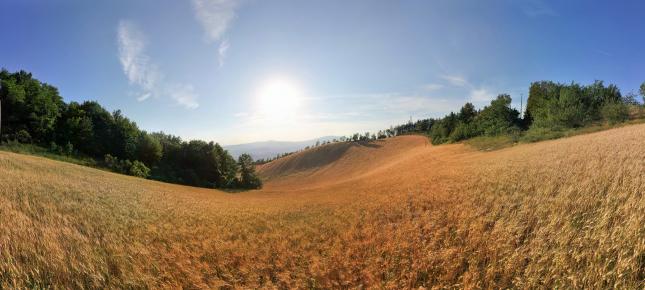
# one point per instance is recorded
(247, 71)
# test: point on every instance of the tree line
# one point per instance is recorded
(551, 107)
(34, 112)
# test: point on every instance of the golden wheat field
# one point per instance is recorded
(396, 214)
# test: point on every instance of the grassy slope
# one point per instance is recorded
(566, 213)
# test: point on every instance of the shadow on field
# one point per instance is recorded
(316, 157)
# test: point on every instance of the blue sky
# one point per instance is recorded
(197, 68)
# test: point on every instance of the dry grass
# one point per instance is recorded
(567, 213)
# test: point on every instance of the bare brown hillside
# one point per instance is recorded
(338, 162)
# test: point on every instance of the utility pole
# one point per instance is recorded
(522, 106)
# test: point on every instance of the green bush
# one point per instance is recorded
(134, 168)
(615, 112)
(110, 161)
(54, 148)
(462, 132)
(69, 149)
(23, 136)
(139, 169)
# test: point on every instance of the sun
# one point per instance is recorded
(279, 98)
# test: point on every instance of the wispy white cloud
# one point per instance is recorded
(215, 16)
(480, 95)
(145, 74)
(184, 95)
(134, 60)
(221, 52)
(455, 80)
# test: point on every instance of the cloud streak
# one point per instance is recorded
(454, 80)
(215, 17)
(184, 95)
(145, 74)
(477, 95)
(480, 95)
(221, 52)
(134, 61)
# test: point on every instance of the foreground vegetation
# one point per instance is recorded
(563, 214)
(34, 113)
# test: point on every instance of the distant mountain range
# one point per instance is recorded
(269, 149)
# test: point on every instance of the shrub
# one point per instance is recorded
(53, 147)
(134, 168)
(615, 112)
(23, 136)
(69, 148)
(110, 161)
(462, 132)
(441, 130)
(139, 169)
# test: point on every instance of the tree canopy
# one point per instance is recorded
(35, 112)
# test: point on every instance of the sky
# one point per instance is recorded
(236, 71)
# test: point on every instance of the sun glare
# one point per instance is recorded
(279, 98)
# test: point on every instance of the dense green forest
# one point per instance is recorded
(34, 112)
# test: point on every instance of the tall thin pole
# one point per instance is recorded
(522, 106)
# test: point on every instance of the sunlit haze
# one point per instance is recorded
(279, 99)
